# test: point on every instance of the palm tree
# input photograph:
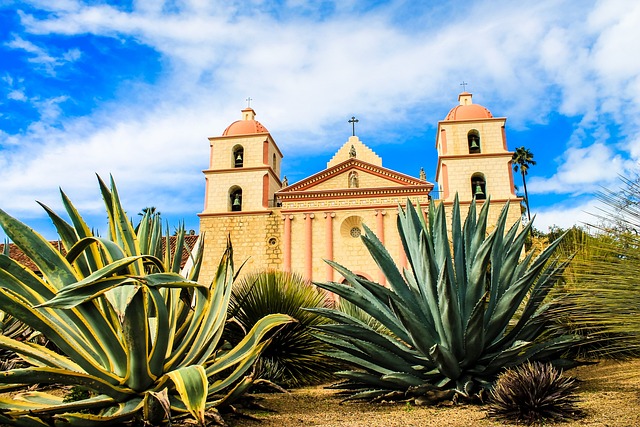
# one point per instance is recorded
(522, 160)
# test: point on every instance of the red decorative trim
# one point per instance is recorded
(443, 141)
(356, 193)
(508, 154)
(511, 183)
(445, 181)
(349, 164)
(486, 119)
(216, 138)
(286, 210)
(237, 213)
(265, 152)
(504, 137)
(265, 190)
(251, 169)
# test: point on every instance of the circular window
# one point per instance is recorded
(351, 229)
(273, 241)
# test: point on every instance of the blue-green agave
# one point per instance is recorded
(143, 338)
(470, 305)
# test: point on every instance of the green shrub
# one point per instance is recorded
(451, 315)
(294, 357)
(534, 393)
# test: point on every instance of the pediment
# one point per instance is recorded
(354, 175)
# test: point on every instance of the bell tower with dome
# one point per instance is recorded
(240, 186)
(473, 159)
(244, 155)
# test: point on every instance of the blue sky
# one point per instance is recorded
(134, 89)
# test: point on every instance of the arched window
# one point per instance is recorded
(473, 138)
(235, 199)
(238, 156)
(273, 163)
(478, 186)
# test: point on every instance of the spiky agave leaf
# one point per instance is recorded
(452, 313)
(125, 334)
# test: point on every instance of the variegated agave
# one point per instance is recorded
(464, 311)
(141, 337)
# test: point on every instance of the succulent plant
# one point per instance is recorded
(464, 311)
(534, 393)
(143, 339)
(293, 357)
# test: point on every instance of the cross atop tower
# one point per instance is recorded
(353, 122)
(249, 102)
(464, 86)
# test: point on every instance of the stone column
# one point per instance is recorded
(328, 254)
(287, 243)
(380, 233)
(308, 246)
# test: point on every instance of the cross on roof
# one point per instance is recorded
(249, 102)
(353, 122)
(464, 86)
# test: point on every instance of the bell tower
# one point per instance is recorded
(473, 159)
(244, 168)
(240, 186)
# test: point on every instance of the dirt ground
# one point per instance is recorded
(609, 395)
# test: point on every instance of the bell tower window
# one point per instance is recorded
(478, 186)
(473, 138)
(235, 199)
(238, 156)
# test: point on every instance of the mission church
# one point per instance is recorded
(295, 227)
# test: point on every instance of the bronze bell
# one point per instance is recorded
(236, 201)
(239, 158)
(478, 191)
(474, 144)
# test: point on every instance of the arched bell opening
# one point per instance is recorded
(238, 156)
(473, 139)
(478, 186)
(235, 199)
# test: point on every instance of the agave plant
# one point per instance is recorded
(142, 338)
(451, 317)
(294, 356)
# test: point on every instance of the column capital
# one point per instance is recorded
(329, 214)
(309, 216)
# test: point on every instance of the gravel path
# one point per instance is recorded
(610, 396)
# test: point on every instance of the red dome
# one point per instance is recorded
(247, 126)
(467, 110)
(244, 127)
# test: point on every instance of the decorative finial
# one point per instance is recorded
(464, 86)
(249, 102)
(353, 122)
(423, 176)
(352, 151)
(285, 181)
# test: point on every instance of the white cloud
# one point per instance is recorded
(41, 56)
(582, 170)
(309, 75)
(565, 215)
(17, 95)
